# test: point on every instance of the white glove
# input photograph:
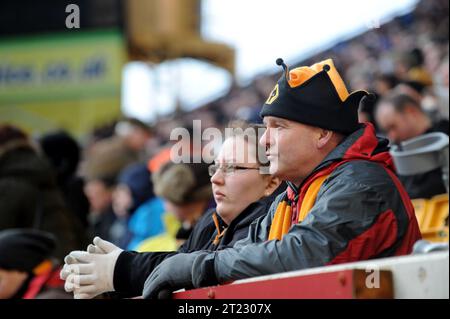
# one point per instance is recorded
(66, 271)
(91, 248)
(89, 274)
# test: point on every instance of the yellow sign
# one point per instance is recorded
(67, 81)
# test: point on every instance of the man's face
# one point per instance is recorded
(398, 126)
(290, 148)
(10, 282)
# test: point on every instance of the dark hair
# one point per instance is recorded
(390, 79)
(400, 101)
(415, 58)
(10, 133)
(415, 85)
(63, 152)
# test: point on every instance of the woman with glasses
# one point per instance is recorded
(242, 190)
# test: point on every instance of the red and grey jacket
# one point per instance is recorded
(361, 211)
(46, 284)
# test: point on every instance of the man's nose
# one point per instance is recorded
(264, 141)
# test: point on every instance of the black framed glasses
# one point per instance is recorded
(228, 169)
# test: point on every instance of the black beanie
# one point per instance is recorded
(315, 96)
(24, 249)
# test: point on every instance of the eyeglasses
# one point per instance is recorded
(227, 169)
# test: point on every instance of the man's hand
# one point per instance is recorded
(172, 274)
(91, 273)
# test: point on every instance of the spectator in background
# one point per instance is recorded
(29, 195)
(402, 118)
(413, 89)
(101, 132)
(63, 153)
(134, 133)
(385, 83)
(132, 190)
(187, 195)
(147, 220)
(27, 269)
(101, 168)
(137, 137)
(101, 216)
(442, 88)
(416, 71)
(104, 160)
(424, 96)
(108, 157)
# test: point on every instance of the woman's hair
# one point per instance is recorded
(10, 133)
(251, 134)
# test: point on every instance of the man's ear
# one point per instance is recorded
(324, 137)
(272, 185)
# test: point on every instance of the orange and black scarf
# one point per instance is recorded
(292, 210)
(220, 230)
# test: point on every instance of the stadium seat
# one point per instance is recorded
(432, 216)
(420, 207)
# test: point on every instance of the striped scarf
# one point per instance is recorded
(287, 209)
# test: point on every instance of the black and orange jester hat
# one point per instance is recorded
(315, 95)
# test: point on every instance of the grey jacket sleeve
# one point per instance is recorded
(344, 209)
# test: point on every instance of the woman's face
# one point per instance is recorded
(235, 190)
